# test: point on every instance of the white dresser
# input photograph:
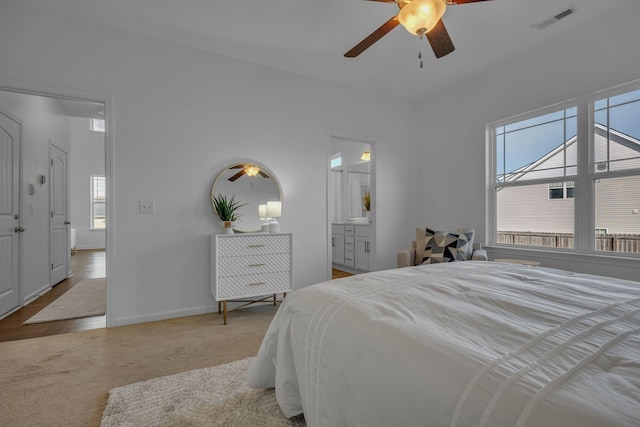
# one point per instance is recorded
(250, 266)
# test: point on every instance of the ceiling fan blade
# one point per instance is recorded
(237, 166)
(236, 176)
(439, 40)
(373, 37)
(452, 2)
(262, 174)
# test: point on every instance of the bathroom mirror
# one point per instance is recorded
(252, 184)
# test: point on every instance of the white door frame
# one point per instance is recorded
(10, 85)
(346, 137)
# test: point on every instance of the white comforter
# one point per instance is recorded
(457, 344)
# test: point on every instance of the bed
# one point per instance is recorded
(457, 344)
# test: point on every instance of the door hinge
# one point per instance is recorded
(51, 266)
(51, 214)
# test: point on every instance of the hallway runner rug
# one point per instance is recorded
(87, 298)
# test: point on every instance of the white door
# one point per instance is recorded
(58, 207)
(10, 229)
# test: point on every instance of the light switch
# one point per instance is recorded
(147, 206)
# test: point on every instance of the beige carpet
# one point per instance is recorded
(64, 380)
(87, 298)
(215, 396)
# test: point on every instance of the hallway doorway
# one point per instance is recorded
(63, 207)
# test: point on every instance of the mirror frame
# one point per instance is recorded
(244, 162)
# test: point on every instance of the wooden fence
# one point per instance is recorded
(628, 243)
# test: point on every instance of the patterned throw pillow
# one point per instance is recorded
(441, 246)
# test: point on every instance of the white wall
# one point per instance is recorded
(183, 115)
(86, 158)
(452, 140)
(43, 122)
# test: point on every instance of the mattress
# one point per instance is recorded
(457, 344)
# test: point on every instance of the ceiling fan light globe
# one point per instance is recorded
(251, 170)
(420, 16)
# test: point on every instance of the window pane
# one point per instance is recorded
(618, 213)
(625, 97)
(600, 104)
(617, 147)
(98, 202)
(96, 125)
(535, 121)
(556, 193)
(500, 157)
(540, 147)
(526, 216)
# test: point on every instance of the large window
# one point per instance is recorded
(98, 202)
(567, 168)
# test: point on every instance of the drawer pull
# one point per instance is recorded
(256, 246)
(257, 265)
(257, 283)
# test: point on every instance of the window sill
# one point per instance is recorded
(625, 266)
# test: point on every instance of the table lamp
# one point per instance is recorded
(274, 211)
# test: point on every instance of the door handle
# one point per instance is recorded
(67, 223)
(19, 230)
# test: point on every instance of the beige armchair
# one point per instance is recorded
(407, 257)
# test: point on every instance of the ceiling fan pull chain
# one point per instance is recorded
(420, 52)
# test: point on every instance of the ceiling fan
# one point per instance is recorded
(249, 169)
(419, 17)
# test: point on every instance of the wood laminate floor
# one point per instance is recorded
(338, 274)
(84, 265)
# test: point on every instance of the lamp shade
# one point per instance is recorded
(274, 209)
(262, 211)
(420, 16)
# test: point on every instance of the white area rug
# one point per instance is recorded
(216, 396)
(87, 298)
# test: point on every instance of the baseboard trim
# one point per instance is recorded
(34, 295)
(90, 248)
(161, 316)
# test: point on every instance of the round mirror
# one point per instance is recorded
(251, 185)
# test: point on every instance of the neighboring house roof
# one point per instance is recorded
(622, 139)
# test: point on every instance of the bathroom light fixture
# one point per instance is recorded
(366, 155)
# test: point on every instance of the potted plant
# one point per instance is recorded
(366, 202)
(227, 210)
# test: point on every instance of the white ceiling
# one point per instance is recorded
(309, 37)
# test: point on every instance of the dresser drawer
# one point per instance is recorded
(255, 264)
(252, 285)
(253, 245)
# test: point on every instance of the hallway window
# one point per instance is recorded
(96, 125)
(98, 202)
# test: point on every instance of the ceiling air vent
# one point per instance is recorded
(558, 16)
